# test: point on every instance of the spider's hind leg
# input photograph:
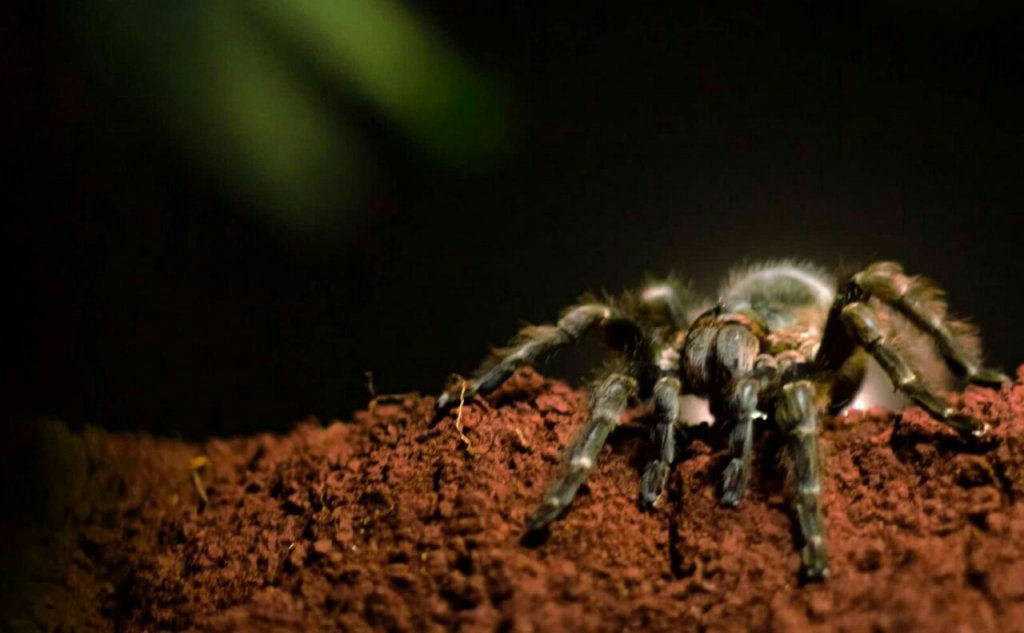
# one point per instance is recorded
(922, 302)
(862, 323)
(608, 400)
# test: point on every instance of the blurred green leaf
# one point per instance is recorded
(263, 130)
(403, 67)
(229, 80)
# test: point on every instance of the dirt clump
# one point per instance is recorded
(389, 523)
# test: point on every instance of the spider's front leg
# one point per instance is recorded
(797, 416)
(608, 400)
(531, 343)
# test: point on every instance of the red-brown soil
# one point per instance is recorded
(388, 523)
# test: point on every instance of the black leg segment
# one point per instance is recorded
(862, 324)
(526, 347)
(608, 401)
(744, 413)
(797, 416)
(736, 349)
(923, 303)
(666, 414)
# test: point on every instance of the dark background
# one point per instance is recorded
(146, 294)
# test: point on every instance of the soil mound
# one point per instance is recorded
(389, 523)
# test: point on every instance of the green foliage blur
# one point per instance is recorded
(262, 93)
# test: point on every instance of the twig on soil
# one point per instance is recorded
(458, 417)
(198, 463)
(523, 444)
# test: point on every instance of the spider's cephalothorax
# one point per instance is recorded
(784, 343)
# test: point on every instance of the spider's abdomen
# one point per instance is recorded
(791, 299)
(778, 290)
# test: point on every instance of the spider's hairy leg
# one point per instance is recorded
(862, 323)
(736, 349)
(922, 302)
(666, 413)
(608, 400)
(742, 402)
(529, 344)
(667, 301)
(797, 416)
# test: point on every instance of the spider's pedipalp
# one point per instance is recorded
(608, 400)
(666, 414)
(741, 442)
(797, 416)
(742, 404)
(733, 355)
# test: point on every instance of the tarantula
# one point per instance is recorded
(784, 342)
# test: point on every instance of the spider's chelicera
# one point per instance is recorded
(784, 343)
